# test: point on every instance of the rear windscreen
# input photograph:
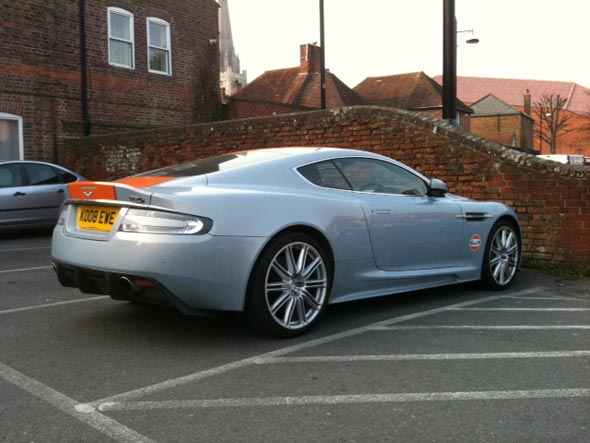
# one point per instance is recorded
(214, 164)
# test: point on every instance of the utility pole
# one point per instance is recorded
(449, 62)
(322, 58)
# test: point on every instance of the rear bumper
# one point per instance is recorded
(120, 286)
(190, 272)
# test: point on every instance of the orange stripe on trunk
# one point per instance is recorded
(143, 182)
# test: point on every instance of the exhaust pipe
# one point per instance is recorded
(129, 286)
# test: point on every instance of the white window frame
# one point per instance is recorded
(19, 119)
(123, 12)
(161, 22)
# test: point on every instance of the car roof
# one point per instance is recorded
(259, 159)
(4, 162)
(265, 167)
(35, 162)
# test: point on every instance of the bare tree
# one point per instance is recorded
(553, 120)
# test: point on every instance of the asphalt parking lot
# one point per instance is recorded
(448, 365)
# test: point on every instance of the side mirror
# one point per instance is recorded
(437, 188)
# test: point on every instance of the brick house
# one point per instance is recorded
(513, 91)
(288, 90)
(494, 119)
(74, 68)
(414, 91)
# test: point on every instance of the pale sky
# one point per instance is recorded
(524, 39)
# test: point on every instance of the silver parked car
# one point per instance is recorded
(280, 234)
(31, 193)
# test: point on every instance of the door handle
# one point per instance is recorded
(19, 194)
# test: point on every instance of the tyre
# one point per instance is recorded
(290, 286)
(501, 256)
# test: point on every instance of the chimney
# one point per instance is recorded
(310, 59)
(527, 103)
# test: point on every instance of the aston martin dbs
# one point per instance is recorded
(279, 234)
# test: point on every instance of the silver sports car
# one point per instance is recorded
(280, 234)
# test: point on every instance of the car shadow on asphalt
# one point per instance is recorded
(171, 325)
(20, 234)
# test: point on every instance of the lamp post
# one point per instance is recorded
(322, 59)
(449, 83)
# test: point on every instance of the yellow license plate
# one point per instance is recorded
(97, 218)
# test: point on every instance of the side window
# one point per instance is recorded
(41, 175)
(369, 175)
(10, 176)
(325, 174)
(121, 40)
(158, 40)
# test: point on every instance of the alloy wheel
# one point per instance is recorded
(504, 255)
(296, 285)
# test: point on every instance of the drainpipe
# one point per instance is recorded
(84, 70)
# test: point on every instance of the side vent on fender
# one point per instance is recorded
(475, 216)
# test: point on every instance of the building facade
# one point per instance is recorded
(78, 68)
(496, 120)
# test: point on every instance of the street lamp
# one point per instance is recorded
(322, 59)
(469, 41)
(449, 81)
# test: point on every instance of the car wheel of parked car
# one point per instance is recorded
(290, 286)
(501, 256)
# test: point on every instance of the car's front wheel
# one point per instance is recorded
(290, 286)
(502, 256)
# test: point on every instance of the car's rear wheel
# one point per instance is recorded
(502, 256)
(290, 286)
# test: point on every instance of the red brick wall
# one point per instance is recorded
(40, 69)
(552, 200)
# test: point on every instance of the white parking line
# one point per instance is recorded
(557, 298)
(51, 305)
(98, 421)
(173, 383)
(347, 399)
(524, 309)
(25, 249)
(483, 328)
(25, 269)
(419, 357)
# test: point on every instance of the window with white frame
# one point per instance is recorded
(11, 137)
(159, 52)
(121, 41)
